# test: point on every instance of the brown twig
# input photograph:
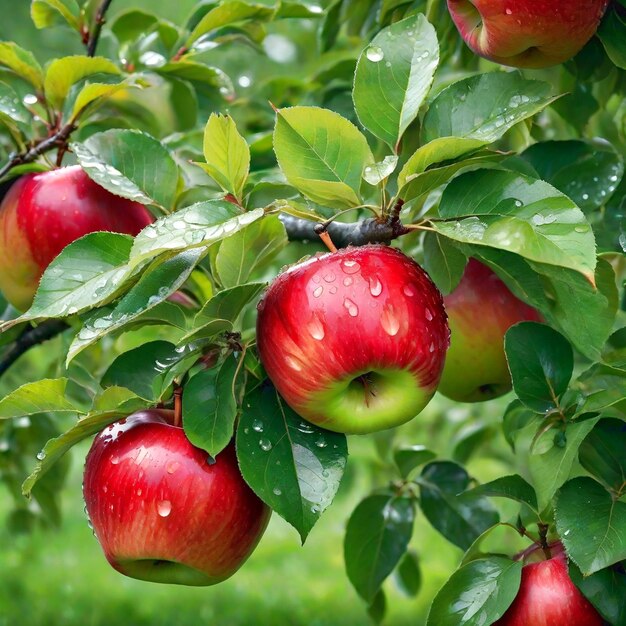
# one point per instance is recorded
(94, 36)
(178, 406)
(29, 339)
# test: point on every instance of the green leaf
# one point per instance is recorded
(88, 272)
(222, 310)
(228, 13)
(602, 386)
(293, 466)
(226, 153)
(22, 62)
(606, 590)
(591, 524)
(444, 262)
(91, 424)
(409, 575)
(513, 487)
(94, 94)
(602, 453)
(408, 459)
(553, 467)
(393, 77)
(460, 517)
(376, 173)
(436, 151)
(612, 34)
(202, 75)
(130, 164)
(47, 395)
(248, 249)
(154, 286)
(377, 536)
(210, 406)
(198, 225)
(378, 608)
(46, 13)
(322, 155)
(478, 593)
(63, 73)
(587, 172)
(541, 362)
(484, 106)
(508, 211)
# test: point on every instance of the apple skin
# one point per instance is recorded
(354, 340)
(42, 213)
(162, 511)
(527, 33)
(548, 597)
(480, 311)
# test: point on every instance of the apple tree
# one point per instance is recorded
(223, 220)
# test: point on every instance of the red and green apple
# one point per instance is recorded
(42, 213)
(354, 340)
(165, 511)
(480, 311)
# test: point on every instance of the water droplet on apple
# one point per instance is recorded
(428, 314)
(333, 290)
(265, 445)
(347, 281)
(293, 363)
(276, 491)
(257, 426)
(316, 329)
(329, 277)
(389, 321)
(431, 348)
(105, 488)
(139, 492)
(164, 508)
(115, 460)
(350, 267)
(351, 307)
(375, 54)
(376, 287)
(508, 11)
(408, 291)
(172, 467)
(318, 292)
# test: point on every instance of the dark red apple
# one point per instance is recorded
(354, 340)
(548, 597)
(480, 311)
(527, 33)
(163, 510)
(42, 213)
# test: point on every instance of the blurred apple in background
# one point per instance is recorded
(527, 33)
(480, 311)
(42, 213)
(164, 510)
(354, 340)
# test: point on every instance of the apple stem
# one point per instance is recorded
(543, 535)
(320, 230)
(178, 406)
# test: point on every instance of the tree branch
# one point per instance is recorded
(92, 43)
(49, 143)
(30, 338)
(343, 234)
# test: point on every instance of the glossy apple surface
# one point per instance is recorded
(527, 33)
(163, 510)
(42, 213)
(548, 597)
(354, 340)
(480, 311)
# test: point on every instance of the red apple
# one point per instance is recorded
(163, 510)
(354, 340)
(42, 213)
(480, 311)
(548, 597)
(527, 33)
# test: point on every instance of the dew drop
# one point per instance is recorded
(376, 287)
(332, 290)
(172, 467)
(265, 445)
(408, 291)
(431, 347)
(139, 492)
(585, 196)
(351, 307)
(509, 11)
(315, 510)
(518, 203)
(347, 281)
(164, 508)
(375, 54)
(316, 329)
(350, 267)
(276, 491)
(321, 443)
(389, 321)
(318, 292)
(428, 314)
(293, 363)
(257, 426)
(115, 460)
(329, 277)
